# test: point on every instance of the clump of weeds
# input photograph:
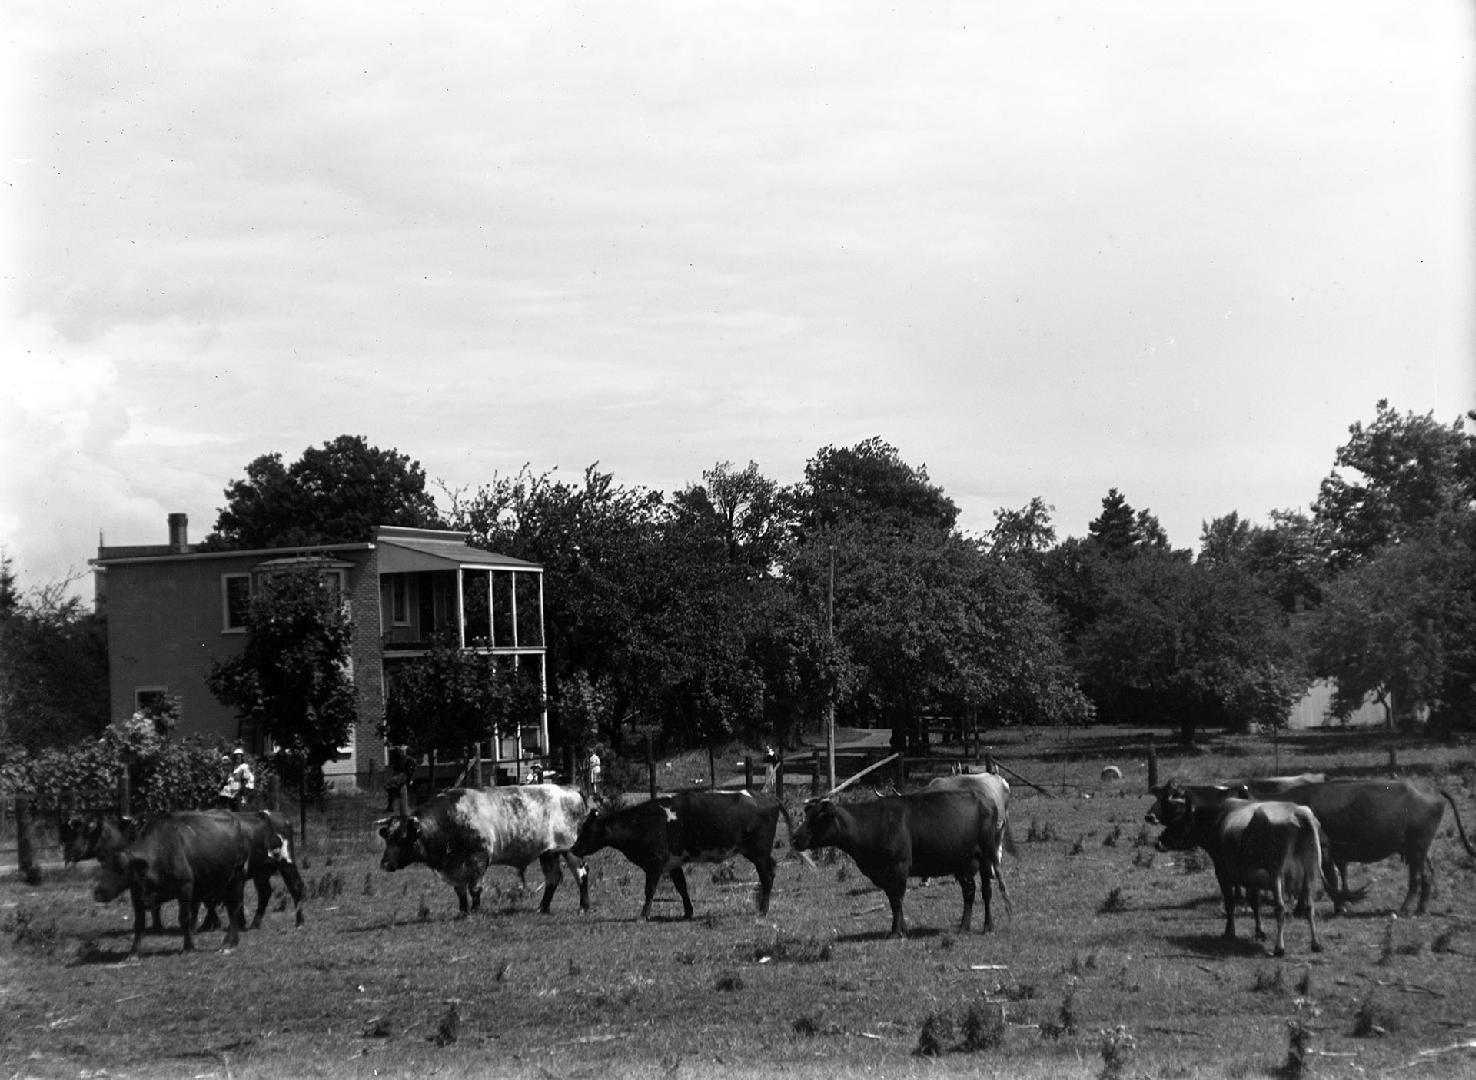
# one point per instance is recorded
(979, 1025)
(794, 948)
(1372, 1020)
(1119, 1048)
(1111, 839)
(729, 982)
(1298, 1050)
(724, 874)
(1065, 1022)
(1113, 904)
(1271, 981)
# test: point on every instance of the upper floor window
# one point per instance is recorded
(399, 599)
(235, 596)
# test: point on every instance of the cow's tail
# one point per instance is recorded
(789, 828)
(1459, 827)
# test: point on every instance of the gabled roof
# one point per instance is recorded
(404, 550)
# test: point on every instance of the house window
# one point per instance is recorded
(235, 594)
(399, 588)
(150, 697)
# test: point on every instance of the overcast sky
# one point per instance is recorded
(1042, 249)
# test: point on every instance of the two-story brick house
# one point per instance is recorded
(173, 609)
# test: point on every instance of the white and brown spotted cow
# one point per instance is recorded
(461, 832)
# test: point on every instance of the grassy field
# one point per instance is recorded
(1110, 966)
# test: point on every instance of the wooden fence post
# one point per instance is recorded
(125, 802)
(748, 772)
(1152, 764)
(815, 788)
(25, 854)
(651, 765)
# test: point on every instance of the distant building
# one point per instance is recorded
(1316, 704)
(172, 610)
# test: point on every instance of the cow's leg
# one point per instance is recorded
(653, 877)
(1340, 876)
(235, 916)
(552, 875)
(765, 865)
(462, 898)
(1306, 901)
(894, 897)
(189, 911)
(679, 879)
(158, 918)
(1278, 897)
(139, 917)
(581, 875)
(293, 880)
(211, 921)
(1253, 899)
(966, 884)
(1426, 880)
(263, 883)
(1228, 893)
(1416, 865)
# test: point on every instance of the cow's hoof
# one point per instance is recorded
(299, 918)
(1317, 946)
(1278, 951)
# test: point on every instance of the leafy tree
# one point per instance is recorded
(1285, 558)
(604, 564)
(1400, 627)
(452, 698)
(290, 682)
(1184, 644)
(335, 493)
(53, 666)
(1025, 533)
(1390, 479)
(742, 511)
(870, 484)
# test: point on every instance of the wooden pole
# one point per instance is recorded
(650, 765)
(125, 802)
(25, 854)
(1152, 764)
(748, 772)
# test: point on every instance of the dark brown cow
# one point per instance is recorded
(1363, 821)
(921, 834)
(192, 857)
(1260, 787)
(1255, 846)
(272, 853)
(664, 834)
(1367, 821)
(462, 832)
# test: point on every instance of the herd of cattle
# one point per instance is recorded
(1283, 836)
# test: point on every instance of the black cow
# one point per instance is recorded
(664, 834)
(927, 833)
(192, 857)
(272, 852)
(1367, 821)
(461, 832)
(1255, 846)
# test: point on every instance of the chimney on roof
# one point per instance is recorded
(179, 534)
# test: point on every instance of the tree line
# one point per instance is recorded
(738, 608)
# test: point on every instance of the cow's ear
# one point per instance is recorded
(412, 828)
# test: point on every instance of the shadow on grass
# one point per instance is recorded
(1216, 945)
(920, 933)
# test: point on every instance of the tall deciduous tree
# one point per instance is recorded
(53, 666)
(600, 544)
(452, 698)
(290, 682)
(1399, 627)
(1390, 479)
(335, 493)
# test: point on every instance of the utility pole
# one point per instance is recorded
(830, 688)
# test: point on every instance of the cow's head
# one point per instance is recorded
(819, 825)
(1175, 812)
(592, 834)
(401, 843)
(119, 871)
(75, 841)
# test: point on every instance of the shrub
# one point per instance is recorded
(983, 1026)
(1118, 1050)
(1113, 904)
